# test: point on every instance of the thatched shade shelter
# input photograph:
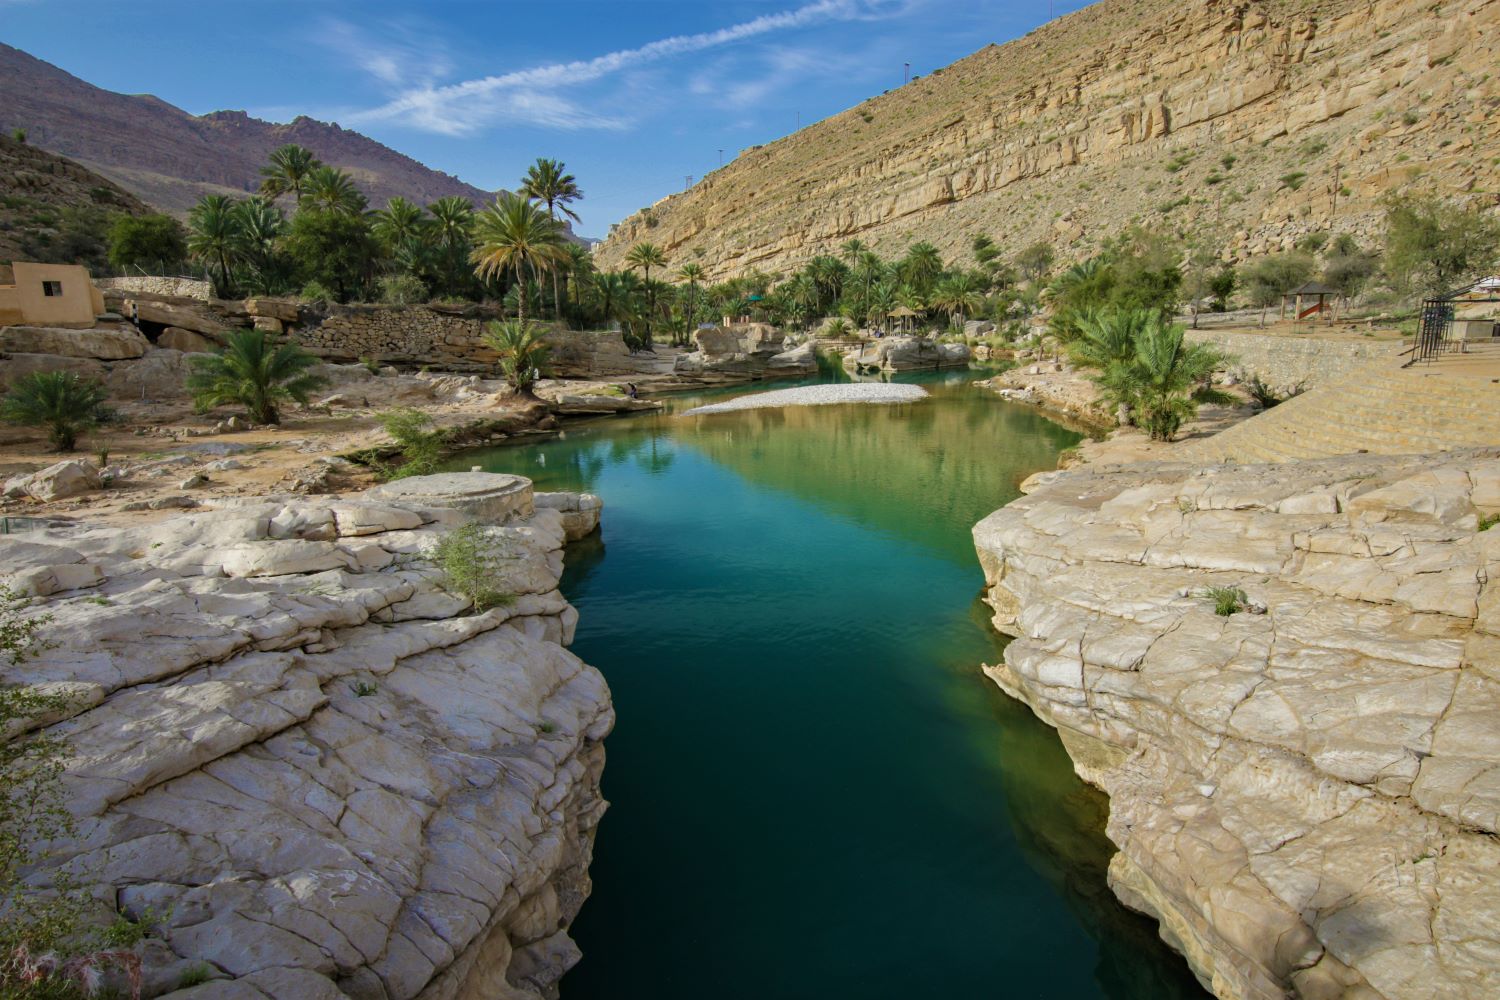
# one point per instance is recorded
(903, 313)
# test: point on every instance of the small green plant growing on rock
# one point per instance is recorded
(364, 689)
(195, 975)
(466, 557)
(1489, 521)
(1227, 600)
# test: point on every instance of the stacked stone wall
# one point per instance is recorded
(1285, 362)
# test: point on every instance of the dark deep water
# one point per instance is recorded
(815, 792)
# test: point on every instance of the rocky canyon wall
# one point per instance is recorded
(1241, 125)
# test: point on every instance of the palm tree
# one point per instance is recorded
(882, 301)
(548, 182)
(1165, 379)
(829, 273)
(260, 225)
(921, 266)
(62, 402)
(214, 237)
(802, 296)
(646, 256)
(332, 190)
(1108, 337)
(399, 223)
(852, 250)
(515, 236)
(957, 296)
(692, 274)
(255, 371)
(616, 296)
(579, 270)
(452, 235)
(287, 172)
(522, 351)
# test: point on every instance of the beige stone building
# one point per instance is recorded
(48, 295)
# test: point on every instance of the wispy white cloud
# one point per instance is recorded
(533, 96)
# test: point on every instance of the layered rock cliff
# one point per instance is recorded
(1245, 124)
(1304, 792)
(310, 763)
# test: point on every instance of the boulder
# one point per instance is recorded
(18, 366)
(801, 360)
(177, 339)
(106, 344)
(580, 511)
(160, 374)
(56, 482)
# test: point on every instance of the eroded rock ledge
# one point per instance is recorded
(1306, 798)
(335, 780)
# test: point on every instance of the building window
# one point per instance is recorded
(52, 289)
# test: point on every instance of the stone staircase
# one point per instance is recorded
(1382, 409)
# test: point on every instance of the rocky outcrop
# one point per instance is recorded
(328, 775)
(1305, 793)
(742, 351)
(1259, 121)
(905, 354)
(106, 343)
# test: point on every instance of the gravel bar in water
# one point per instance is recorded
(819, 395)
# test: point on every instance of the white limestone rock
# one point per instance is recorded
(334, 778)
(1308, 799)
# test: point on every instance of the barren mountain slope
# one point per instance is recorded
(37, 187)
(171, 158)
(1243, 125)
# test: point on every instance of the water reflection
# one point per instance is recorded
(815, 792)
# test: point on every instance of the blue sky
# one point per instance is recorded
(634, 95)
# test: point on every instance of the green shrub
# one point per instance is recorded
(466, 557)
(257, 372)
(421, 448)
(1295, 179)
(1227, 600)
(402, 290)
(316, 291)
(62, 402)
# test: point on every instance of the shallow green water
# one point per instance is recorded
(815, 792)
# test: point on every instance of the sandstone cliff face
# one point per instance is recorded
(1306, 797)
(292, 741)
(1239, 123)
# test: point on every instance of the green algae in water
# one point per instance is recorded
(814, 791)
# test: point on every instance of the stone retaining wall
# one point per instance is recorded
(1285, 362)
(400, 334)
(189, 288)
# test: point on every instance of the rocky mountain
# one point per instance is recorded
(170, 158)
(1242, 124)
(40, 190)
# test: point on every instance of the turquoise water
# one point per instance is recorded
(815, 792)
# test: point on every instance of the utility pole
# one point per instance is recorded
(907, 78)
(799, 121)
(721, 159)
(1333, 215)
(688, 183)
